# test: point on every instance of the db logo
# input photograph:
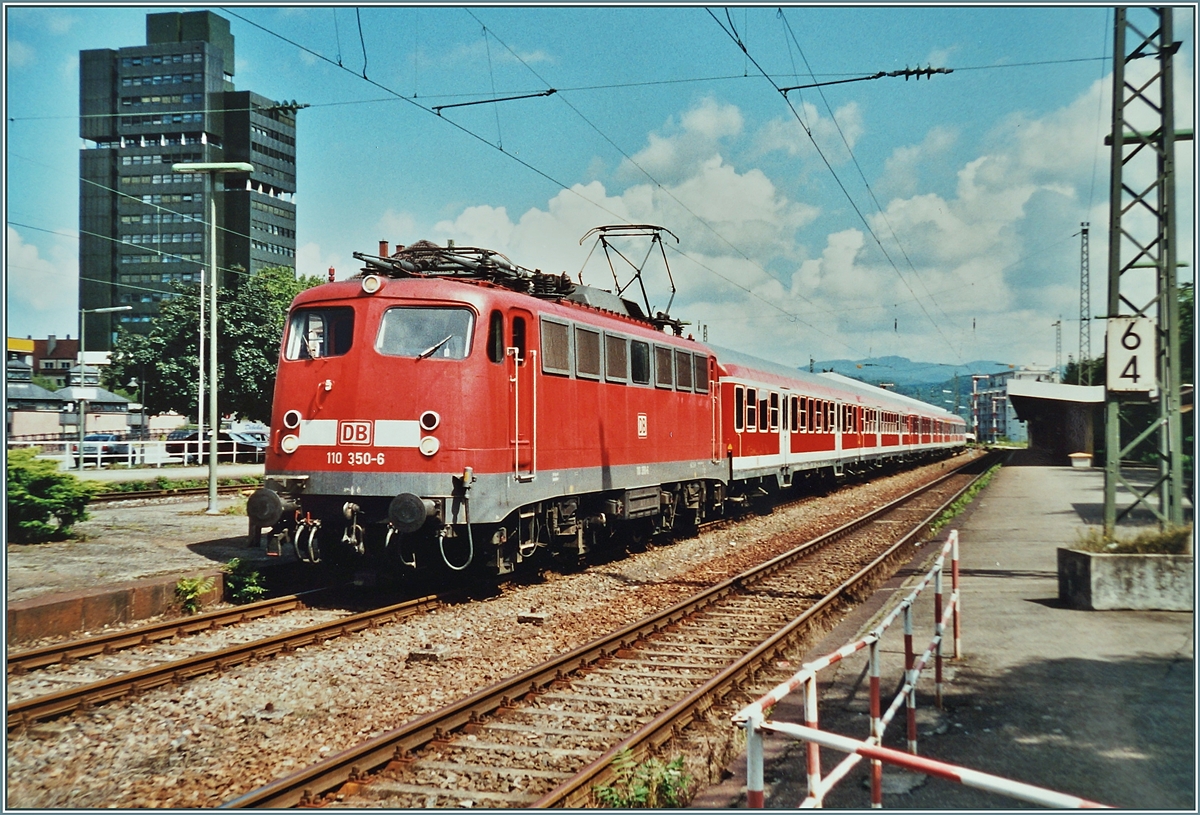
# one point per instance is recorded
(354, 432)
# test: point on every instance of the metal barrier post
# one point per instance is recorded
(876, 730)
(957, 596)
(754, 760)
(812, 749)
(910, 676)
(938, 632)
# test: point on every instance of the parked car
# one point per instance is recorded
(237, 447)
(100, 448)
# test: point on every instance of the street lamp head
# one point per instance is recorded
(213, 167)
(105, 310)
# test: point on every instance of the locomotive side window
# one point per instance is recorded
(639, 358)
(587, 353)
(320, 332)
(751, 410)
(556, 348)
(518, 338)
(440, 333)
(616, 362)
(739, 408)
(700, 380)
(495, 346)
(662, 367)
(683, 370)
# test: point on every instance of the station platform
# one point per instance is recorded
(169, 472)
(1096, 704)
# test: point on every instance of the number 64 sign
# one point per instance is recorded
(1132, 351)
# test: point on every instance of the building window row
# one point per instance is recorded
(283, 232)
(170, 237)
(195, 257)
(163, 218)
(148, 297)
(161, 119)
(175, 99)
(273, 153)
(280, 212)
(273, 134)
(168, 79)
(127, 161)
(164, 277)
(173, 198)
(274, 249)
(159, 178)
(164, 59)
(136, 318)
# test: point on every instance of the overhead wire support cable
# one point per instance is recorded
(906, 73)
(439, 108)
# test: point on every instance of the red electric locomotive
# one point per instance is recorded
(448, 409)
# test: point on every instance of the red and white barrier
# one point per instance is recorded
(753, 717)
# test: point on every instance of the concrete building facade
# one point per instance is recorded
(142, 226)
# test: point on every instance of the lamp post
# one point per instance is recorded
(83, 368)
(211, 170)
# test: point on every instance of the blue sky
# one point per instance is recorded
(973, 184)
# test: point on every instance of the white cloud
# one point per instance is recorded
(42, 294)
(832, 134)
(694, 138)
(311, 259)
(18, 55)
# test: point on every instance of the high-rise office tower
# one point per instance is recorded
(142, 226)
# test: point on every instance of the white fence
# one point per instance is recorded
(139, 453)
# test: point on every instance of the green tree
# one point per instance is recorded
(250, 329)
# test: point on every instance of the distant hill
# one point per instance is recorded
(922, 380)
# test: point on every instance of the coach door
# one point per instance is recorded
(521, 360)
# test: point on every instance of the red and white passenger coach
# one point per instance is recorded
(448, 409)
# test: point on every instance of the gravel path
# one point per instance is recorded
(212, 739)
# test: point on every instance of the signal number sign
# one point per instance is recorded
(1131, 348)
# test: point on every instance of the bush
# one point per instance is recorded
(242, 582)
(189, 590)
(1175, 540)
(43, 503)
(649, 785)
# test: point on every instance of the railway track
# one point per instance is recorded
(546, 736)
(84, 697)
(173, 492)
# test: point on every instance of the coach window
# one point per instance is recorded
(802, 420)
(616, 358)
(796, 402)
(783, 421)
(700, 379)
(437, 333)
(587, 353)
(739, 407)
(556, 348)
(683, 370)
(774, 411)
(751, 410)
(763, 416)
(320, 332)
(639, 362)
(495, 344)
(816, 416)
(662, 367)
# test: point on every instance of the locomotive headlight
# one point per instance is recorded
(429, 445)
(430, 420)
(291, 419)
(289, 443)
(372, 283)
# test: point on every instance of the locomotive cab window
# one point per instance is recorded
(433, 333)
(314, 333)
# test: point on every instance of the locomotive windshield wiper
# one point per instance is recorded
(433, 348)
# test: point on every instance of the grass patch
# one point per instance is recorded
(1176, 540)
(961, 502)
(162, 483)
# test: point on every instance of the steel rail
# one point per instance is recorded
(87, 696)
(168, 492)
(352, 764)
(67, 652)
